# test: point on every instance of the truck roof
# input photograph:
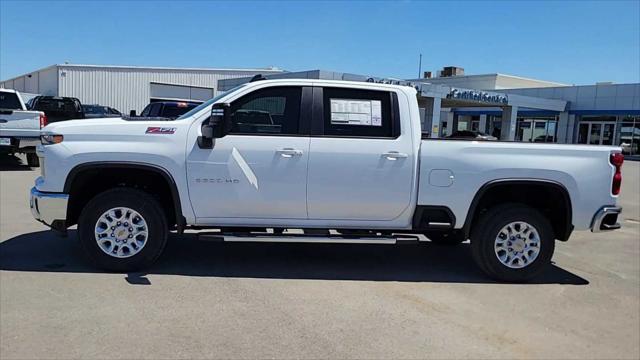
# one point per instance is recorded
(340, 83)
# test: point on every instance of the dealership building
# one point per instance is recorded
(508, 107)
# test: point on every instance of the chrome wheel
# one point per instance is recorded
(517, 244)
(121, 232)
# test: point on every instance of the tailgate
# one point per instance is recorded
(19, 123)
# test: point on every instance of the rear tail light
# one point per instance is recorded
(43, 120)
(616, 159)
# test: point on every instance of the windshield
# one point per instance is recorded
(94, 109)
(175, 110)
(9, 101)
(198, 108)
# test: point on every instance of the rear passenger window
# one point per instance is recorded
(274, 110)
(357, 113)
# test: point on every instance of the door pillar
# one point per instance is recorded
(509, 120)
(563, 127)
(436, 121)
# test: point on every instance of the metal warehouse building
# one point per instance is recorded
(126, 87)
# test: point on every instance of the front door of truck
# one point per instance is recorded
(259, 169)
(361, 165)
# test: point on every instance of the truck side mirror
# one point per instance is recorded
(218, 126)
(205, 141)
(220, 120)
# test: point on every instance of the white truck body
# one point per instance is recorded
(19, 127)
(328, 182)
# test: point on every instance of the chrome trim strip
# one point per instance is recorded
(597, 225)
(48, 207)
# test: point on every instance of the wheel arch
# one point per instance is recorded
(563, 226)
(77, 172)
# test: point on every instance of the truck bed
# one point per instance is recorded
(453, 171)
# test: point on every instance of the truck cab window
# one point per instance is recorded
(10, 101)
(358, 113)
(274, 110)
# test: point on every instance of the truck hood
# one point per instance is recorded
(108, 128)
(60, 126)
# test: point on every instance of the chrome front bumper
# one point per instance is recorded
(606, 219)
(49, 208)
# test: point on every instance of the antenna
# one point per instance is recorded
(420, 67)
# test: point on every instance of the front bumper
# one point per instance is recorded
(606, 219)
(49, 208)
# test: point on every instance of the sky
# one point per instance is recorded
(573, 42)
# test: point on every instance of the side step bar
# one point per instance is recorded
(390, 240)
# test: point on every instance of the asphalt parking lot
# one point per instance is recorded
(216, 300)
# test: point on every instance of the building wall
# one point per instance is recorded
(130, 88)
(124, 88)
(44, 82)
(604, 97)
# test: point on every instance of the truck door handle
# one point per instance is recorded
(289, 152)
(394, 155)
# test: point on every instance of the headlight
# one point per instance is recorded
(50, 139)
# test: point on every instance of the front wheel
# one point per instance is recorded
(512, 242)
(123, 230)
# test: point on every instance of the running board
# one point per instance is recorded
(390, 240)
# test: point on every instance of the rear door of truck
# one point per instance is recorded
(361, 163)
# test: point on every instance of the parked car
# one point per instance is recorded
(99, 111)
(167, 110)
(470, 134)
(57, 108)
(333, 155)
(19, 127)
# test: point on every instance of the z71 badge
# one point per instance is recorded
(160, 130)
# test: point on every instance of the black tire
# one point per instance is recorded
(147, 206)
(445, 238)
(33, 160)
(487, 228)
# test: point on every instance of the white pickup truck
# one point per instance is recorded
(19, 127)
(341, 161)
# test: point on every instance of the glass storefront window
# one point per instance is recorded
(494, 126)
(630, 135)
(536, 129)
(597, 130)
(594, 135)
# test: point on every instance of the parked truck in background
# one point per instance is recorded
(57, 108)
(19, 127)
(343, 161)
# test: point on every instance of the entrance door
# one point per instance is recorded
(258, 170)
(597, 133)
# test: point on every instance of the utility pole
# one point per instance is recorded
(420, 67)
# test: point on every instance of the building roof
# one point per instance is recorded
(500, 81)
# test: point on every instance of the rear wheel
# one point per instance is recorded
(32, 160)
(512, 242)
(123, 230)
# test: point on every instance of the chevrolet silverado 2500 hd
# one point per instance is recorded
(19, 127)
(344, 161)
